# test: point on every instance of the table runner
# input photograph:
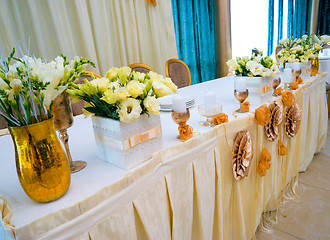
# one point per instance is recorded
(186, 191)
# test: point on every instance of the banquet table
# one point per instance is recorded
(184, 191)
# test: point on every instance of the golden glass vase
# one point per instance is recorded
(41, 164)
(315, 66)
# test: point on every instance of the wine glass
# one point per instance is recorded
(63, 119)
(209, 113)
(241, 96)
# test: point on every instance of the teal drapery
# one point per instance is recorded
(195, 37)
(323, 23)
(280, 21)
(290, 18)
(270, 27)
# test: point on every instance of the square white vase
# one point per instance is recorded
(126, 145)
(260, 89)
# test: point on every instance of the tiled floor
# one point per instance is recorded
(308, 216)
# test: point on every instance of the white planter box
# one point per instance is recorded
(127, 144)
(304, 67)
(260, 89)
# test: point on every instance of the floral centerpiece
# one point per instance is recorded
(124, 106)
(28, 88)
(301, 49)
(123, 95)
(254, 66)
(258, 73)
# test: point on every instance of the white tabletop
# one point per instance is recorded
(98, 173)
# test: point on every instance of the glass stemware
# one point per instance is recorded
(209, 113)
(63, 119)
(180, 117)
(241, 96)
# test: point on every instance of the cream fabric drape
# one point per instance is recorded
(223, 36)
(187, 191)
(109, 32)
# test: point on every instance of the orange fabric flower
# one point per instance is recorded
(299, 80)
(186, 132)
(294, 85)
(153, 2)
(278, 91)
(262, 115)
(245, 106)
(288, 98)
(265, 162)
(220, 118)
(281, 148)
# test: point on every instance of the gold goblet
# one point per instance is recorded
(241, 96)
(276, 83)
(180, 117)
(63, 119)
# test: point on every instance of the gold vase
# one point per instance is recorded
(41, 164)
(315, 66)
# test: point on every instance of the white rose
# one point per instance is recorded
(130, 110)
(257, 69)
(152, 105)
(135, 88)
(101, 83)
(304, 59)
(161, 89)
(291, 59)
(325, 39)
(112, 73)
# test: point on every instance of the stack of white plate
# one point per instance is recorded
(166, 102)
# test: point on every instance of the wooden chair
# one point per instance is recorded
(178, 71)
(141, 67)
(77, 108)
(277, 50)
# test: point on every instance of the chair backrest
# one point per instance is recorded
(178, 71)
(77, 108)
(277, 50)
(141, 67)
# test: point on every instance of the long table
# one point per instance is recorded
(185, 191)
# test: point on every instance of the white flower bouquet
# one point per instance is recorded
(301, 49)
(122, 94)
(29, 86)
(254, 66)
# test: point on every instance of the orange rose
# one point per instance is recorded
(299, 80)
(264, 162)
(278, 91)
(220, 118)
(186, 132)
(294, 85)
(262, 115)
(288, 98)
(281, 148)
(245, 106)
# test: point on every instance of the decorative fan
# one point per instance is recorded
(292, 120)
(242, 154)
(276, 117)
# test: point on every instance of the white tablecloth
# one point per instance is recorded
(185, 191)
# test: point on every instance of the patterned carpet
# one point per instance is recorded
(308, 216)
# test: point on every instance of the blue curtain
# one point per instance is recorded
(280, 21)
(270, 27)
(299, 17)
(195, 37)
(323, 23)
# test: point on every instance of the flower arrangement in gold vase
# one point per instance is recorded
(28, 88)
(125, 109)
